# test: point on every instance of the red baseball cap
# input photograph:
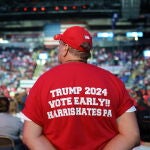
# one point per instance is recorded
(74, 37)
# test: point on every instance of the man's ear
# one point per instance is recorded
(66, 49)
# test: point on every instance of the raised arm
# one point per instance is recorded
(128, 136)
(33, 138)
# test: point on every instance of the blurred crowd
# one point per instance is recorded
(18, 64)
(130, 65)
(15, 65)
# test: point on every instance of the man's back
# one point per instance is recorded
(80, 99)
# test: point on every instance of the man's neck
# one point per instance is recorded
(75, 60)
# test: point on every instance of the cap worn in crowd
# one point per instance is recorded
(74, 37)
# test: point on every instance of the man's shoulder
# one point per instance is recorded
(9, 117)
(75, 67)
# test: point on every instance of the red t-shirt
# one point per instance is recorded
(77, 105)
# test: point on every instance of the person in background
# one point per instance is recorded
(143, 117)
(10, 125)
(77, 105)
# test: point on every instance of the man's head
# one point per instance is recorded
(77, 41)
(4, 104)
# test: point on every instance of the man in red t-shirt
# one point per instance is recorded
(79, 106)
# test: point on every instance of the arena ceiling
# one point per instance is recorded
(30, 15)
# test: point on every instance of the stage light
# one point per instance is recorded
(43, 9)
(65, 8)
(34, 9)
(74, 7)
(84, 6)
(25, 9)
(56, 8)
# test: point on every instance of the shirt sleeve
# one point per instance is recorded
(24, 118)
(131, 109)
(33, 106)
